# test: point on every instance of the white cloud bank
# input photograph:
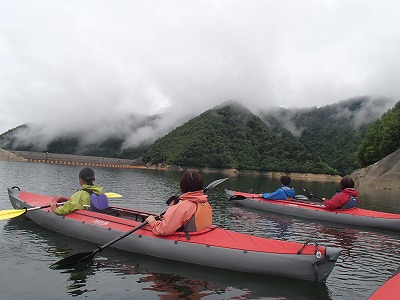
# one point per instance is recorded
(90, 65)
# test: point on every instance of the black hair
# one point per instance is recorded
(87, 175)
(191, 181)
(346, 183)
(285, 180)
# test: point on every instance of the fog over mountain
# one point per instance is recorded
(358, 111)
(141, 130)
(102, 68)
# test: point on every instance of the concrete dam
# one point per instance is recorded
(70, 159)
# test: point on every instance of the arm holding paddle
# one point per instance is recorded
(81, 198)
(192, 212)
(83, 256)
(344, 199)
(78, 200)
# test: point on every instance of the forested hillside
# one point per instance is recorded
(382, 138)
(232, 137)
(333, 132)
(316, 140)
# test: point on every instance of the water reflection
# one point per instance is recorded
(388, 200)
(174, 280)
(78, 276)
(244, 220)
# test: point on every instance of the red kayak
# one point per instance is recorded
(314, 210)
(213, 246)
(390, 290)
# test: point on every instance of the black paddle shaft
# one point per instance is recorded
(312, 195)
(80, 257)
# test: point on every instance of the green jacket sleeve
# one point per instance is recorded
(77, 201)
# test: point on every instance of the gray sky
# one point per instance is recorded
(62, 61)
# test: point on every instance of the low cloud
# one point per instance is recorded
(100, 69)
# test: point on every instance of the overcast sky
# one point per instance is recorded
(64, 61)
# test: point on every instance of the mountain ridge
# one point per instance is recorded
(314, 132)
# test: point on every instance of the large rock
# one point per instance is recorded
(384, 174)
(10, 156)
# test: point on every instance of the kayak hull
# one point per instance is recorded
(317, 211)
(213, 247)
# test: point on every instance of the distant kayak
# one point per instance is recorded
(213, 246)
(316, 210)
(390, 290)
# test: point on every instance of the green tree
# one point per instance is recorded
(382, 138)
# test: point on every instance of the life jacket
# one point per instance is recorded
(201, 219)
(353, 201)
(97, 202)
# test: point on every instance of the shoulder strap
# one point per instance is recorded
(87, 190)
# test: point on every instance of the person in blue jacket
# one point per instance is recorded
(282, 193)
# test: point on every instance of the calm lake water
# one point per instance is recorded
(369, 256)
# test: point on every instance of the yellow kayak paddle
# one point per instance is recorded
(13, 213)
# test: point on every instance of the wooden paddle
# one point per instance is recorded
(13, 213)
(83, 256)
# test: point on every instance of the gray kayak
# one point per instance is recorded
(312, 210)
(213, 246)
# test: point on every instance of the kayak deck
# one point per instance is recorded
(123, 219)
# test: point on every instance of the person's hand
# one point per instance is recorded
(59, 200)
(53, 206)
(150, 219)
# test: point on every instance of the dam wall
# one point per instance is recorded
(70, 159)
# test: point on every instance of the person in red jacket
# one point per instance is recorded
(191, 213)
(345, 198)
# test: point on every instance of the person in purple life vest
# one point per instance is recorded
(89, 196)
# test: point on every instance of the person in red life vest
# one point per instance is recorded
(345, 198)
(191, 213)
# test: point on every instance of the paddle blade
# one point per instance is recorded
(308, 193)
(214, 183)
(73, 259)
(113, 195)
(11, 213)
(237, 197)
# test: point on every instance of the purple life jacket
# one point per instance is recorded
(97, 202)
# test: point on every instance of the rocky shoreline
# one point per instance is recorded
(384, 174)
(234, 173)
